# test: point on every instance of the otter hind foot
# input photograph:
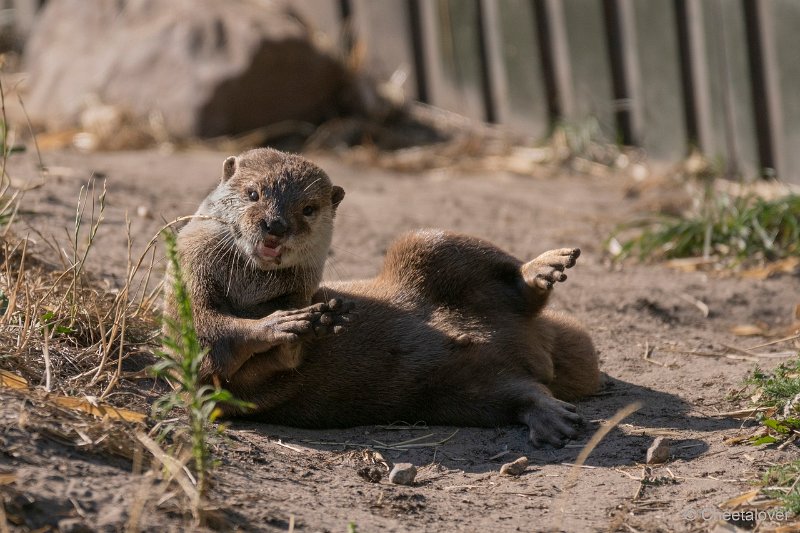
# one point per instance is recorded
(337, 314)
(548, 268)
(551, 422)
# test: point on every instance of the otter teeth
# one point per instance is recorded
(269, 251)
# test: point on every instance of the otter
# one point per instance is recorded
(451, 331)
(252, 257)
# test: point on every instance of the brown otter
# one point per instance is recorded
(253, 258)
(451, 331)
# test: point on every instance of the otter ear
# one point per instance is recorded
(337, 195)
(228, 168)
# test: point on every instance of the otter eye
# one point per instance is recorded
(253, 195)
(309, 210)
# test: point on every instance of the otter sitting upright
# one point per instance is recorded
(253, 258)
(451, 331)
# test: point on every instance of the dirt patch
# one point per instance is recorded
(273, 477)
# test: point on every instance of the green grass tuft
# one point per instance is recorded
(738, 230)
(180, 364)
(778, 387)
(783, 485)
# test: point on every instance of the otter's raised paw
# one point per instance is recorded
(336, 315)
(552, 422)
(548, 269)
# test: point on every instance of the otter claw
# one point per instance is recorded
(552, 422)
(336, 315)
(341, 306)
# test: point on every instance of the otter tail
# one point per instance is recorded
(575, 362)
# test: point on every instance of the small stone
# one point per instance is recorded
(639, 172)
(515, 468)
(658, 451)
(144, 211)
(403, 474)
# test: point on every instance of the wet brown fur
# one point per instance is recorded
(452, 331)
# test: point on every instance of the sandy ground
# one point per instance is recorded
(273, 478)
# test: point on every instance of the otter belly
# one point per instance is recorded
(405, 360)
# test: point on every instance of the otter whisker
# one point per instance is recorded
(221, 246)
(312, 184)
(332, 263)
(345, 250)
(236, 259)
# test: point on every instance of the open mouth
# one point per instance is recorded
(270, 249)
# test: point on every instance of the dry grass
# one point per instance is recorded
(61, 329)
(64, 331)
(420, 137)
(73, 348)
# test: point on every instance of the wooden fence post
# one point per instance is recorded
(493, 72)
(766, 94)
(554, 51)
(624, 63)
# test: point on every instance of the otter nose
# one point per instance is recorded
(276, 227)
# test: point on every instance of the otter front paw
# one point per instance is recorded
(288, 326)
(552, 422)
(336, 315)
(548, 269)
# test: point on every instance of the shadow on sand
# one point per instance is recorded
(479, 450)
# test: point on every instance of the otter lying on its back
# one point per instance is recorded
(452, 330)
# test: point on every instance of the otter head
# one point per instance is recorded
(280, 207)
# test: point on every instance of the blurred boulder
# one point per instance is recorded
(201, 68)
(16, 19)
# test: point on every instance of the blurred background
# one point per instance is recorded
(667, 77)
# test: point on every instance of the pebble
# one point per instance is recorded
(403, 474)
(515, 468)
(658, 451)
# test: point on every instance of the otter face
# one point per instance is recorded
(283, 208)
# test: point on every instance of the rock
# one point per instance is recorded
(196, 67)
(515, 468)
(658, 451)
(403, 474)
(144, 211)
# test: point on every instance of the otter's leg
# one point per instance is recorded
(542, 273)
(235, 340)
(576, 369)
(550, 421)
(338, 315)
